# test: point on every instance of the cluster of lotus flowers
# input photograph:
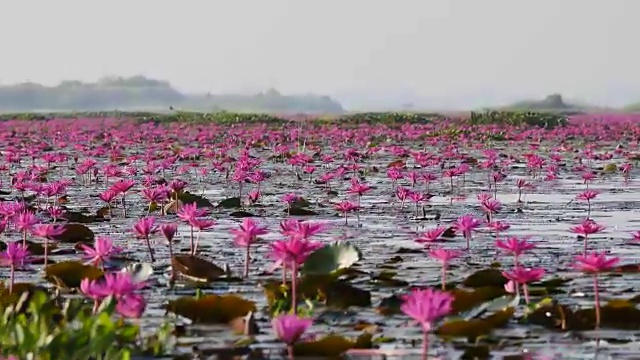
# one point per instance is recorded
(425, 306)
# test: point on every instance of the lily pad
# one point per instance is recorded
(195, 268)
(139, 272)
(475, 328)
(74, 233)
(69, 274)
(610, 168)
(342, 295)
(485, 277)
(212, 309)
(331, 258)
(230, 203)
(300, 203)
(387, 278)
(467, 300)
(299, 211)
(241, 214)
(332, 346)
(77, 217)
(189, 198)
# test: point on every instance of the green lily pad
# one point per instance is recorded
(189, 198)
(230, 203)
(330, 258)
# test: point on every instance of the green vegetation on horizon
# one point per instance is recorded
(544, 119)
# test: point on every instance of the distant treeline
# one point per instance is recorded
(139, 92)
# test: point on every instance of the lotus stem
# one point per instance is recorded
(146, 239)
(425, 345)
(247, 257)
(11, 280)
(290, 351)
(195, 246)
(597, 299)
(294, 287)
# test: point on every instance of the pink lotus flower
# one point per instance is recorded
(246, 236)
(289, 329)
(595, 262)
(444, 256)
(144, 228)
(425, 307)
(524, 276)
(102, 251)
(431, 235)
(466, 224)
(16, 256)
(515, 247)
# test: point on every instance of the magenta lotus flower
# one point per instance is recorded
(289, 329)
(24, 222)
(491, 207)
(246, 236)
(431, 235)
(345, 207)
(121, 284)
(16, 256)
(426, 307)
(102, 251)
(524, 276)
(515, 247)
(595, 263)
(466, 224)
(144, 228)
(131, 306)
(586, 228)
(587, 196)
(47, 232)
(444, 256)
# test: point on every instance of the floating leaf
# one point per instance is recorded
(610, 168)
(245, 325)
(386, 278)
(342, 295)
(189, 198)
(396, 164)
(300, 203)
(467, 300)
(390, 305)
(37, 249)
(617, 314)
(486, 277)
(298, 211)
(475, 328)
(74, 233)
(69, 274)
(450, 233)
(230, 203)
(77, 217)
(139, 272)
(627, 269)
(241, 214)
(196, 268)
(330, 258)
(331, 346)
(211, 308)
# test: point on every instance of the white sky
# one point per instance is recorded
(585, 49)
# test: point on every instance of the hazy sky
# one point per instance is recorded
(458, 51)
